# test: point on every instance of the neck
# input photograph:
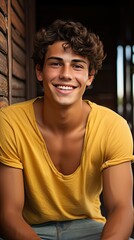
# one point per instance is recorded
(61, 119)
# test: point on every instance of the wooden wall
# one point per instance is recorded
(17, 27)
(17, 51)
(3, 55)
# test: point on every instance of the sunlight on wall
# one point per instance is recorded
(124, 84)
(120, 78)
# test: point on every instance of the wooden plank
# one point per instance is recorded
(9, 53)
(3, 23)
(3, 64)
(18, 39)
(18, 70)
(3, 6)
(22, 3)
(30, 33)
(18, 93)
(17, 99)
(3, 86)
(17, 23)
(18, 9)
(19, 55)
(18, 88)
(3, 43)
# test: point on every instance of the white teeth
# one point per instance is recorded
(65, 87)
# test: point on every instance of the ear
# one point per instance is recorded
(90, 80)
(38, 72)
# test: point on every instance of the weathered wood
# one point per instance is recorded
(18, 9)
(18, 70)
(30, 9)
(17, 99)
(18, 88)
(21, 3)
(3, 102)
(3, 86)
(18, 93)
(3, 64)
(19, 55)
(3, 21)
(9, 52)
(18, 39)
(17, 23)
(3, 6)
(3, 43)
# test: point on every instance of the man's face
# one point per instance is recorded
(65, 75)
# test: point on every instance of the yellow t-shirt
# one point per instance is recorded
(50, 195)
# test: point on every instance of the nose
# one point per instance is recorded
(66, 73)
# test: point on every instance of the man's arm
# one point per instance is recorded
(12, 223)
(118, 195)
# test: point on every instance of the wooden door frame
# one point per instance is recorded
(30, 32)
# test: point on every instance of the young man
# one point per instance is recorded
(59, 151)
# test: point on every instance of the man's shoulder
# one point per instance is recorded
(103, 110)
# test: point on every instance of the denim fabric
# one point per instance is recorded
(84, 229)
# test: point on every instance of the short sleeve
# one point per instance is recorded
(119, 144)
(8, 146)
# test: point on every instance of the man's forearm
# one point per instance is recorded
(118, 226)
(17, 229)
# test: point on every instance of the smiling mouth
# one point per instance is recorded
(64, 87)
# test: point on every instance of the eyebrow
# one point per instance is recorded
(73, 60)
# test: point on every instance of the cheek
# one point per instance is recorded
(49, 74)
(46, 76)
(84, 80)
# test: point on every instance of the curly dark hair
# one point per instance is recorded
(76, 36)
